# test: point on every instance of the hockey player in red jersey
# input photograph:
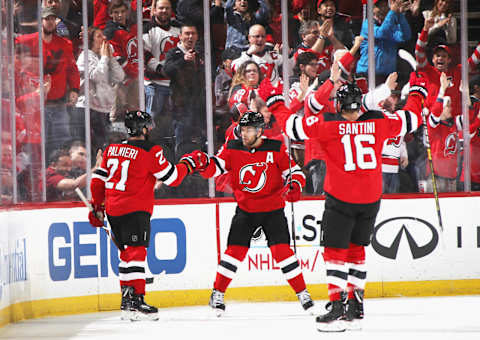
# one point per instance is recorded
(262, 181)
(353, 184)
(353, 141)
(123, 186)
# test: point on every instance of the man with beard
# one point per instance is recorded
(122, 186)
(159, 36)
(263, 177)
(59, 63)
(342, 30)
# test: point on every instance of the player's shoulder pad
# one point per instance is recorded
(331, 117)
(372, 114)
(142, 144)
(235, 144)
(270, 145)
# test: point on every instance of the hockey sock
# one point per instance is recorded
(357, 272)
(337, 271)
(288, 263)
(131, 270)
(229, 262)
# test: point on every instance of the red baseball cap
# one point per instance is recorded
(443, 47)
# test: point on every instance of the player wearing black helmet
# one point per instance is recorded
(349, 98)
(123, 186)
(261, 182)
(138, 123)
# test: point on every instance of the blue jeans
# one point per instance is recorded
(391, 182)
(57, 127)
(156, 96)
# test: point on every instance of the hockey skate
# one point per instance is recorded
(354, 311)
(306, 301)
(333, 321)
(142, 310)
(126, 305)
(217, 302)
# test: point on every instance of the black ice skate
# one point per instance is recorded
(126, 306)
(305, 300)
(354, 311)
(333, 321)
(217, 302)
(143, 311)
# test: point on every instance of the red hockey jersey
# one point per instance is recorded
(258, 175)
(128, 173)
(353, 149)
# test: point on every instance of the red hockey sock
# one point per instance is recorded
(132, 268)
(357, 272)
(337, 272)
(288, 263)
(227, 268)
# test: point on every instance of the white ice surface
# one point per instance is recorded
(435, 318)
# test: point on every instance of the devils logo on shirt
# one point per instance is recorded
(253, 176)
(450, 144)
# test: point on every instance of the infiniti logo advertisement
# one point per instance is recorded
(420, 236)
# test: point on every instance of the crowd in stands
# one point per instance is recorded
(246, 48)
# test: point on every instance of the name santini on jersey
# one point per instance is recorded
(356, 128)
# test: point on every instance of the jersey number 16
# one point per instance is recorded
(362, 152)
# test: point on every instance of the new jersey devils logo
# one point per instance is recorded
(395, 141)
(253, 176)
(450, 144)
(167, 44)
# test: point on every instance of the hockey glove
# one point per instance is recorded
(269, 93)
(292, 191)
(196, 160)
(418, 85)
(97, 215)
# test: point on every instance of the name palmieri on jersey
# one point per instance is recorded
(123, 151)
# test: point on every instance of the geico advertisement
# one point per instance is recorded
(63, 255)
(407, 242)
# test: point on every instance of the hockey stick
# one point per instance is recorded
(413, 63)
(409, 58)
(90, 207)
(294, 236)
(148, 279)
(430, 162)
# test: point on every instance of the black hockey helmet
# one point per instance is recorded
(251, 118)
(349, 96)
(135, 121)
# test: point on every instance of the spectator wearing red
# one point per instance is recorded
(59, 186)
(442, 62)
(244, 83)
(100, 13)
(28, 121)
(474, 112)
(123, 37)
(59, 63)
